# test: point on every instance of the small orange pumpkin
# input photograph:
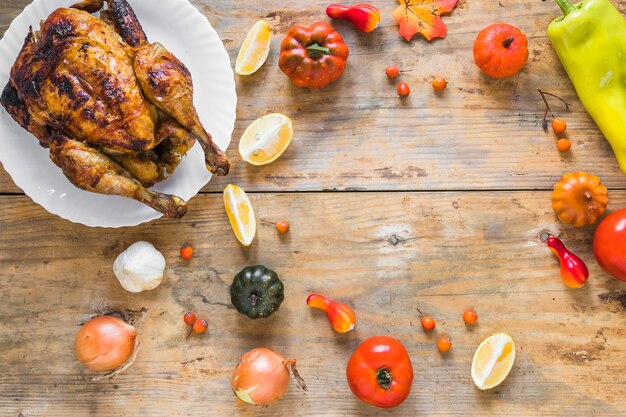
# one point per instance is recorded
(579, 198)
(500, 50)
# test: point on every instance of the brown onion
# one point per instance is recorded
(262, 376)
(104, 343)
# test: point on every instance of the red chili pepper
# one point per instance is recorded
(573, 270)
(364, 17)
(341, 317)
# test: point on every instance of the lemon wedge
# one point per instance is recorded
(240, 213)
(255, 49)
(266, 139)
(493, 361)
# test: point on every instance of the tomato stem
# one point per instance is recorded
(316, 51)
(383, 376)
(508, 41)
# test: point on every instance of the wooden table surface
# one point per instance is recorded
(433, 202)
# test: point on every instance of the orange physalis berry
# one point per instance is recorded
(282, 227)
(186, 252)
(444, 344)
(403, 90)
(470, 316)
(428, 323)
(392, 71)
(563, 144)
(199, 326)
(558, 125)
(189, 318)
(439, 84)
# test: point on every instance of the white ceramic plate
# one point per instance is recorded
(182, 29)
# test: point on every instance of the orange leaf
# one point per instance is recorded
(423, 16)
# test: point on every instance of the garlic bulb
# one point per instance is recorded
(140, 267)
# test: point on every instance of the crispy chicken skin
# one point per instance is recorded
(78, 77)
(116, 111)
(17, 109)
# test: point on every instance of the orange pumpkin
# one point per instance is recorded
(579, 198)
(500, 50)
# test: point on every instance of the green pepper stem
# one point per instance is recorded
(316, 51)
(566, 6)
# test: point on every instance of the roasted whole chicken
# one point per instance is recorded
(115, 111)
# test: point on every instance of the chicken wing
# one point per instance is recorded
(124, 18)
(90, 6)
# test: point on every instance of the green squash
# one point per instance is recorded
(257, 292)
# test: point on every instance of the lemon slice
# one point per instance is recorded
(266, 139)
(493, 361)
(240, 214)
(255, 49)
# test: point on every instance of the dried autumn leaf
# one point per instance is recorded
(423, 16)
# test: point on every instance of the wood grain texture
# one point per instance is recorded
(356, 134)
(385, 254)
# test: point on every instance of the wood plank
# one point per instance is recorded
(385, 254)
(356, 134)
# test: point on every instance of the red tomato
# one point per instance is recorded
(380, 372)
(609, 244)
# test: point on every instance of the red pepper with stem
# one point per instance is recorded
(341, 317)
(573, 270)
(364, 17)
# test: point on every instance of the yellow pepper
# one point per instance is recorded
(590, 40)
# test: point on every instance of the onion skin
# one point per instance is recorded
(261, 377)
(104, 343)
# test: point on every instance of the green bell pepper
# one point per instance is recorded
(590, 40)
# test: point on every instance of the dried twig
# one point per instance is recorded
(291, 363)
(548, 109)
